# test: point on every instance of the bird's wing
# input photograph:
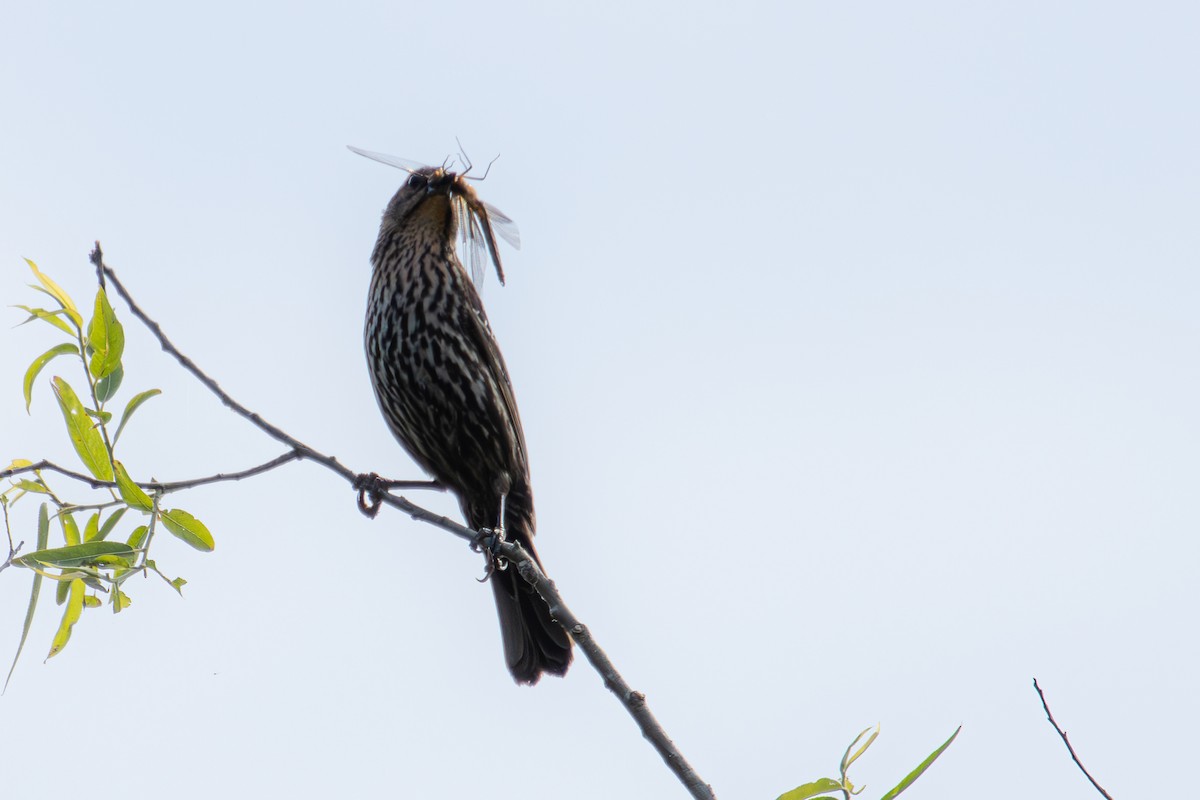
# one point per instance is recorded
(481, 332)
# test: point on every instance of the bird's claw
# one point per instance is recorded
(370, 488)
(486, 542)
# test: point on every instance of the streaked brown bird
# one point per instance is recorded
(443, 387)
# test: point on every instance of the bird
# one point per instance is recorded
(444, 390)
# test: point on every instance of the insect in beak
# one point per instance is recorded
(478, 221)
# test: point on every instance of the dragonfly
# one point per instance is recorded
(478, 222)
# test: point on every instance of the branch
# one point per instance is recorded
(634, 702)
(304, 451)
(1067, 742)
(165, 488)
(13, 549)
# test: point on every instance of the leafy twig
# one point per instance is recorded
(1067, 742)
(634, 702)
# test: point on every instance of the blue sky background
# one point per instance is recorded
(855, 346)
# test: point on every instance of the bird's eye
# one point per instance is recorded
(417, 181)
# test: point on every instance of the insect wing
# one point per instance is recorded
(470, 246)
(481, 218)
(503, 225)
(406, 164)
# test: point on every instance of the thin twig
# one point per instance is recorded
(1067, 742)
(13, 549)
(634, 702)
(7, 527)
(175, 486)
(165, 488)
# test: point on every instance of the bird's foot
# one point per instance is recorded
(371, 488)
(486, 542)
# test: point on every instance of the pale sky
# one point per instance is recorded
(855, 344)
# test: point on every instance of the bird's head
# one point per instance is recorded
(424, 199)
(435, 198)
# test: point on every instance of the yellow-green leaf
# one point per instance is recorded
(19, 463)
(188, 528)
(70, 529)
(87, 440)
(99, 416)
(91, 601)
(109, 524)
(39, 363)
(120, 601)
(53, 317)
(131, 493)
(42, 540)
(70, 617)
(131, 407)
(138, 536)
(62, 589)
(924, 765)
(32, 486)
(106, 337)
(819, 787)
(55, 291)
(92, 529)
(178, 584)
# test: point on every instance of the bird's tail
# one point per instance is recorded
(533, 642)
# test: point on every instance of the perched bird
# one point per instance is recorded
(443, 387)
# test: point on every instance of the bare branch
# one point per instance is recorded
(50, 466)
(158, 486)
(97, 258)
(175, 486)
(1067, 742)
(634, 702)
(13, 549)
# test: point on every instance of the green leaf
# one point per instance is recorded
(120, 601)
(75, 555)
(42, 540)
(131, 493)
(62, 589)
(109, 524)
(91, 601)
(916, 773)
(87, 440)
(92, 529)
(70, 616)
(69, 528)
(809, 790)
(178, 585)
(848, 759)
(106, 387)
(55, 291)
(110, 562)
(189, 529)
(53, 317)
(102, 416)
(19, 463)
(106, 337)
(31, 486)
(131, 407)
(138, 536)
(40, 362)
